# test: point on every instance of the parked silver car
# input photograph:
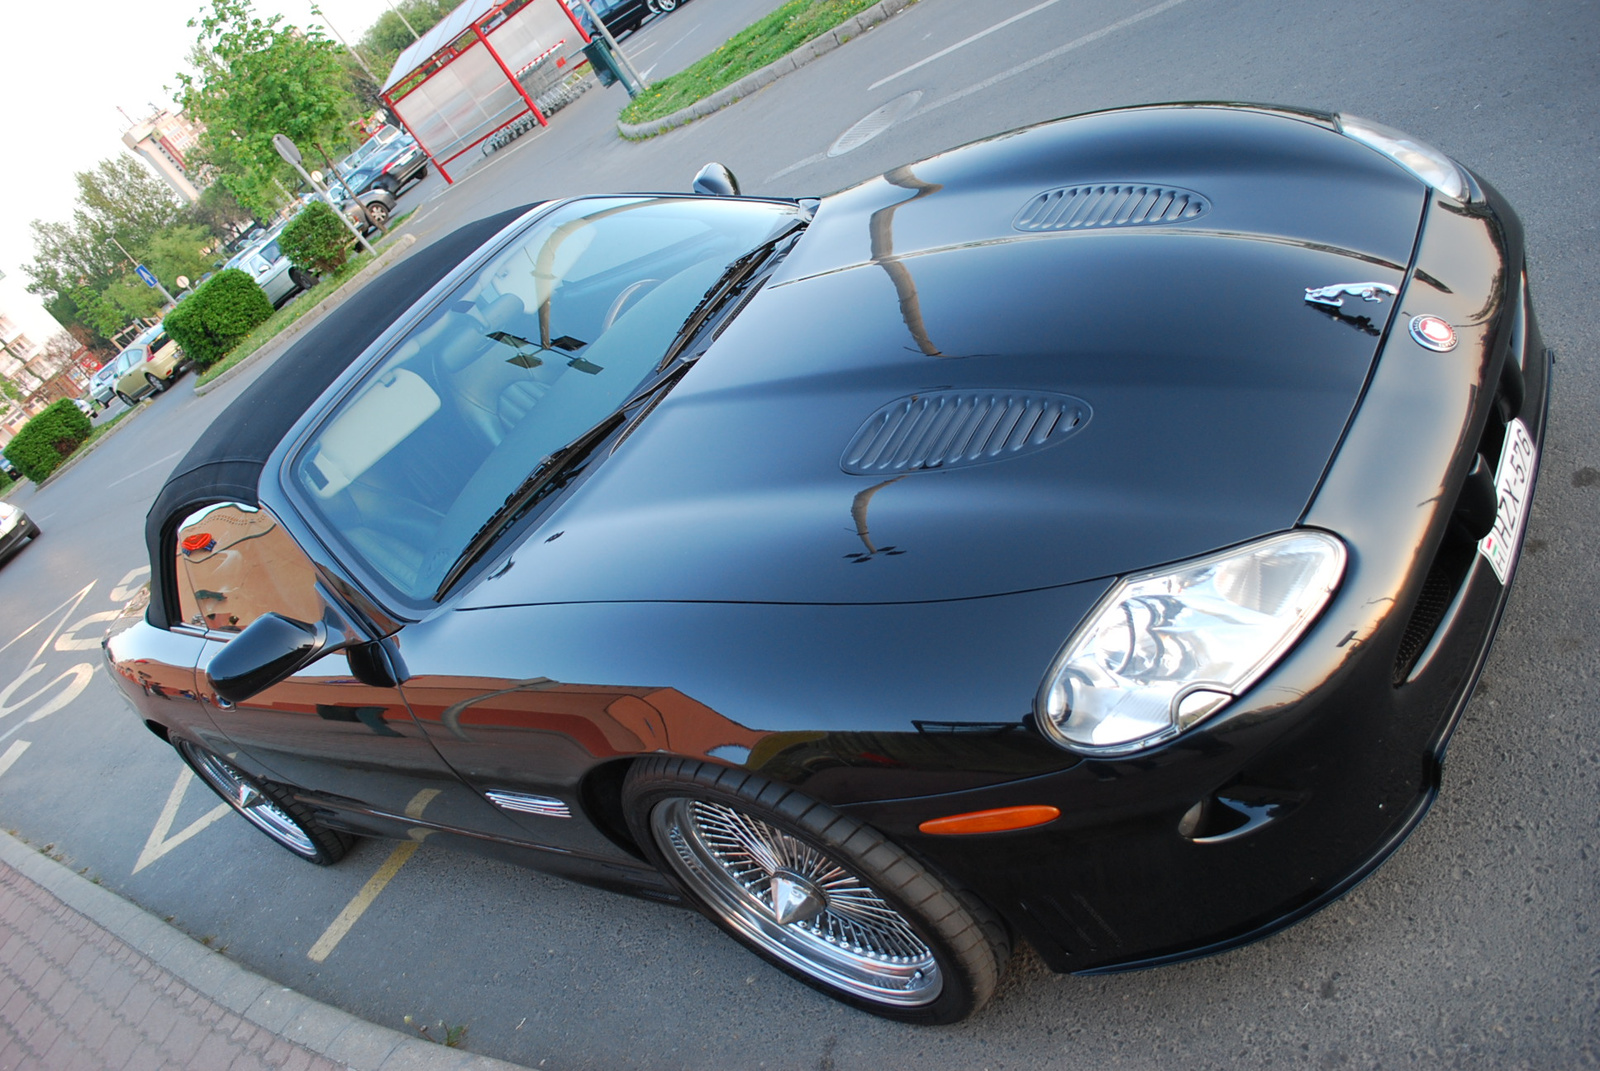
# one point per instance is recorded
(102, 385)
(272, 270)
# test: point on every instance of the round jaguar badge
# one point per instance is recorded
(1433, 333)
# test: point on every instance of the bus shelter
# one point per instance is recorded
(483, 68)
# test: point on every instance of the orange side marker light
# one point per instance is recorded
(998, 820)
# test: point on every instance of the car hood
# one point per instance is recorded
(1202, 396)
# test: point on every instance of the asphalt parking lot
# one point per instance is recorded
(1476, 945)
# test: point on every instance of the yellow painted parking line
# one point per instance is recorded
(369, 892)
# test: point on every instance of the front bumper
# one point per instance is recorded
(1302, 788)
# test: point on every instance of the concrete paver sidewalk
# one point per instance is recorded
(89, 980)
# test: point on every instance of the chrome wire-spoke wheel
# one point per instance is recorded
(796, 902)
(242, 794)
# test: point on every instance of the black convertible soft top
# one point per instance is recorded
(224, 465)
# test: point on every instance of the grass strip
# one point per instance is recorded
(99, 430)
(296, 309)
(749, 50)
(286, 316)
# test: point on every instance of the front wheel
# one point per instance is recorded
(303, 280)
(817, 894)
(665, 6)
(378, 215)
(127, 401)
(268, 807)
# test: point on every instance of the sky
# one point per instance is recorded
(68, 69)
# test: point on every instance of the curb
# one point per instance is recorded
(309, 318)
(815, 48)
(320, 1028)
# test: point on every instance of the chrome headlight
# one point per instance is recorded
(1166, 649)
(1415, 155)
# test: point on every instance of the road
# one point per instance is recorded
(1476, 945)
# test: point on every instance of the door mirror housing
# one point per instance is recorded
(271, 649)
(716, 179)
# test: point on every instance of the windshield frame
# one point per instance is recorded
(281, 492)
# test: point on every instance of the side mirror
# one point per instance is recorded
(717, 180)
(272, 648)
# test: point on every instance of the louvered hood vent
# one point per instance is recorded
(946, 429)
(1110, 204)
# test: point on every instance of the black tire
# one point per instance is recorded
(127, 401)
(665, 6)
(270, 808)
(157, 384)
(878, 930)
(303, 280)
(378, 215)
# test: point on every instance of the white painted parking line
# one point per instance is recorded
(127, 587)
(69, 640)
(1054, 53)
(159, 843)
(369, 892)
(148, 467)
(12, 754)
(678, 42)
(964, 42)
(73, 599)
(994, 80)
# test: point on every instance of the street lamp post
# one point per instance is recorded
(317, 11)
(170, 299)
(631, 72)
(414, 35)
(290, 153)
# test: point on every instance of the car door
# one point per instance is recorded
(127, 384)
(345, 742)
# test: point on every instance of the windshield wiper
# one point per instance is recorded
(727, 284)
(551, 474)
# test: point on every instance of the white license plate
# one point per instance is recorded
(1512, 480)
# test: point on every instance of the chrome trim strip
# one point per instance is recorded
(524, 803)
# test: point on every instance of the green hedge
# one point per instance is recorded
(217, 316)
(315, 240)
(48, 439)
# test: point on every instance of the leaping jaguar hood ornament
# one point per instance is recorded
(1333, 296)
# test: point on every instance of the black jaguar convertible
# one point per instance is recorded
(1086, 537)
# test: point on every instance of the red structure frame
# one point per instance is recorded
(480, 30)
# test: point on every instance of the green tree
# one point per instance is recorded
(220, 212)
(120, 198)
(386, 38)
(76, 261)
(178, 250)
(117, 304)
(254, 78)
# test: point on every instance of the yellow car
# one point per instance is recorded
(148, 366)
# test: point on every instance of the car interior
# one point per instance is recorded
(548, 340)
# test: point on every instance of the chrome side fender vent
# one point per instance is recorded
(523, 803)
(1110, 204)
(944, 429)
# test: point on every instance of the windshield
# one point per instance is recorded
(545, 341)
